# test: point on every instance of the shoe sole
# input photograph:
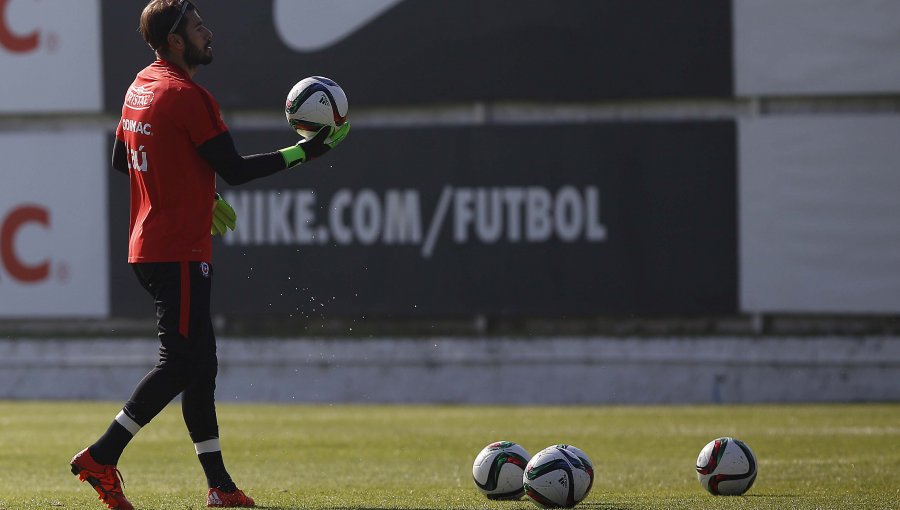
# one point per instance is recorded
(89, 479)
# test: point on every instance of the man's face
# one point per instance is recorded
(198, 40)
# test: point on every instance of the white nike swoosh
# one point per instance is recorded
(312, 25)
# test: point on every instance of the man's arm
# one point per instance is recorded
(120, 157)
(223, 157)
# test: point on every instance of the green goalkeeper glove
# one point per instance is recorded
(307, 150)
(224, 217)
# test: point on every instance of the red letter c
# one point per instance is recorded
(15, 43)
(16, 219)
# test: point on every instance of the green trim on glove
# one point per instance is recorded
(338, 135)
(307, 150)
(224, 217)
(293, 155)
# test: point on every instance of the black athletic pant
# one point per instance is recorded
(187, 354)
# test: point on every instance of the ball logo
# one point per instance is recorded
(311, 25)
(11, 40)
(18, 218)
(138, 98)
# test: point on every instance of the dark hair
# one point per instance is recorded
(158, 20)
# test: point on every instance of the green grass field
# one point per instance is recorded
(420, 457)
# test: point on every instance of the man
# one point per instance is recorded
(172, 142)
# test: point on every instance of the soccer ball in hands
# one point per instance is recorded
(726, 466)
(498, 469)
(315, 102)
(558, 476)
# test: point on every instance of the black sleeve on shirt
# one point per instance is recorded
(222, 155)
(120, 157)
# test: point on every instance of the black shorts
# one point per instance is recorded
(181, 293)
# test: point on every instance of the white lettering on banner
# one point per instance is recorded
(403, 222)
(515, 214)
(573, 216)
(17, 219)
(342, 234)
(367, 216)
(304, 216)
(539, 228)
(279, 227)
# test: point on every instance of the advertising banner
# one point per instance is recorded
(406, 52)
(53, 237)
(819, 214)
(541, 221)
(50, 58)
(806, 47)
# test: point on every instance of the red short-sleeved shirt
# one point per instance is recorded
(166, 116)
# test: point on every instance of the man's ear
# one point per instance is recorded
(175, 41)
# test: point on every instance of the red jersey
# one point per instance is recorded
(166, 116)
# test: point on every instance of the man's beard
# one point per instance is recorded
(195, 56)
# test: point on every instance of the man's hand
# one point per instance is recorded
(310, 149)
(322, 143)
(224, 217)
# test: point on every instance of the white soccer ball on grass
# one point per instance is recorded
(559, 476)
(726, 467)
(498, 470)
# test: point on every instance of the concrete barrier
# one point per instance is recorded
(545, 370)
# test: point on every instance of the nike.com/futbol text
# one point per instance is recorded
(511, 214)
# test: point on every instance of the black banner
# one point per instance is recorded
(447, 51)
(537, 221)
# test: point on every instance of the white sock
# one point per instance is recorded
(208, 446)
(129, 424)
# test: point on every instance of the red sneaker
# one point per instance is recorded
(105, 479)
(216, 498)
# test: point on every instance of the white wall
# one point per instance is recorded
(816, 47)
(591, 370)
(819, 214)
